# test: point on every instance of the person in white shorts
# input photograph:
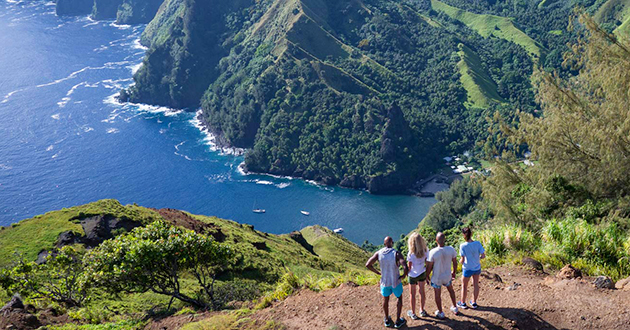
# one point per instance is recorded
(439, 262)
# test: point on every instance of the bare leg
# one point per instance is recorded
(412, 296)
(475, 287)
(423, 297)
(451, 292)
(438, 298)
(465, 281)
(386, 306)
(399, 307)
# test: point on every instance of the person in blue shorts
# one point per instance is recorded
(471, 253)
(390, 261)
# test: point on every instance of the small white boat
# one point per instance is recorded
(305, 213)
(255, 210)
(338, 230)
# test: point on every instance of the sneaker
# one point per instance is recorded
(412, 315)
(454, 310)
(388, 322)
(400, 323)
(424, 313)
(440, 315)
(473, 304)
(462, 305)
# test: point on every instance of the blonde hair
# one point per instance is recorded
(417, 245)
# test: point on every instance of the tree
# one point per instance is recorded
(59, 279)
(581, 142)
(154, 258)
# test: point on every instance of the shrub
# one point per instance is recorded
(59, 279)
(154, 258)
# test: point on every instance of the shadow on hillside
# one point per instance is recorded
(523, 319)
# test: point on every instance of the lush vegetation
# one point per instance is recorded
(571, 203)
(310, 89)
(159, 268)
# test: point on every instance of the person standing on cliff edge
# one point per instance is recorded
(439, 262)
(390, 261)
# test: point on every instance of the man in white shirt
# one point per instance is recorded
(439, 262)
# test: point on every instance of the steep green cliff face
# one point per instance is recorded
(124, 11)
(362, 93)
(288, 79)
(73, 7)
(137, 11)
(105, 9)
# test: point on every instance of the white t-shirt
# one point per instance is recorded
(417, 264)
(442, 258)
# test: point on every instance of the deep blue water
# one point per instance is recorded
(64, 142)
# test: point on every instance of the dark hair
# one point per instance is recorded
(467, 232)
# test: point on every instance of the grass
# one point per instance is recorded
(480, 88)
(335, 261)
(491, 25)
(122, 325)
(30, 236)
(602, 249)
(232, 320)
(330, 246)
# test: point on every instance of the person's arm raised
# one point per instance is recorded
(370, 263)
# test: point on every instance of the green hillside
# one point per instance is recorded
(491, 25)
(480, 87)
(367, 95)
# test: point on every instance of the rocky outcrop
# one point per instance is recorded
(532, 263)
(569, 272)
(73, 7)
(183, 219)
(298, 237)
(623, 284)
(15, 316)
(105, 9)
(124, 11)
(101, 227)
(137, 11)
(604, 282)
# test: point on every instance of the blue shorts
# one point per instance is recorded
(439, 286)
(469, 273)
(387, 291)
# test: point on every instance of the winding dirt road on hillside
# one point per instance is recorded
(541, 301)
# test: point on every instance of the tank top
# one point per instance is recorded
(390, 275)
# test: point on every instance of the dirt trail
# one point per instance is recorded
(540, 302)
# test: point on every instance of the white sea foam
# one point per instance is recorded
(50, 148)
(210, 139)
(6, 97)
(112, 130)
(67, 98)
(55, 116)
(265, 182)
(283, 185)
(138, 45)
(5, 167)
(135, 68)
(71, 76)
(55, 155)
(120, 26)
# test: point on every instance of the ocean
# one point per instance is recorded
(65, 141)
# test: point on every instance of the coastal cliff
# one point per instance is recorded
(123, 11)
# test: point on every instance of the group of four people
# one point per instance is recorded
(432, 267)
